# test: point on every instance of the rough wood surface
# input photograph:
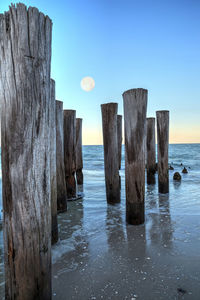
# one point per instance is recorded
(79, 156)
(70, 151)
(60, 167)
(110, 142)
(135, 106)
(25, 58)
(151, 151)
(119, 137)
(162, 150)
(53, 181)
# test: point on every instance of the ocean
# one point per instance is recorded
(95, 242)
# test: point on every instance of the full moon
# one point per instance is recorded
(87, 84)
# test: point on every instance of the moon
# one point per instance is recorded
(87, 84)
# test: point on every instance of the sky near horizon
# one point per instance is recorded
(127, 44)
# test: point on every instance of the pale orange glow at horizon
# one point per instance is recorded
(177, 135)
(184, 134)
(92, 137)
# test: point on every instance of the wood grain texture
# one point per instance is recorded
(60, 167)
(151, 151)
(135, 106)
(70, 151)
(110, 142)
(79, 156)
(119, 138)
(162, 117)
(25, 55)
(53, 181)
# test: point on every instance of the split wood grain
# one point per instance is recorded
(135, 106)
(111, 160)
(70, 151)
(60, 167)
(162, 150)
(79, 155)
(25, 55)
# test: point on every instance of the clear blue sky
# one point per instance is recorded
(126, 44)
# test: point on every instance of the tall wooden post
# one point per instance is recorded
(135, 106)
(151, 151)
(119, 138)
(110, 141)
(162, 150)
(25, 55)
(53, 181)
(79, 157)
(70, 151)
(60, 167)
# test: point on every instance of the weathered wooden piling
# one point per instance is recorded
(25, 55)
(70, 151)
(135, 105)
(110, 141)
(53, 181)
(119, 138)
(60, 167)
(151, 151)
(79, 156)
(162, 117)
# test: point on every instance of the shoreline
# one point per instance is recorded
(149, 261)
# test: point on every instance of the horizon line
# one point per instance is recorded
(156, 144)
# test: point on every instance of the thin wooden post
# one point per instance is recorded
(110, 141)
(25, 55)
(60, 167)
(135, 106)
(70, 151)
(119, 137)
(53, 181)
(151, 151)
(79, 156)
(162, 150)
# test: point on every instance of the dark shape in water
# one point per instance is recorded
(181, 291)
(185, 171)
(177, 176)
(171, 168)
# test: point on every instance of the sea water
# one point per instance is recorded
(89, 221)
(187, 194)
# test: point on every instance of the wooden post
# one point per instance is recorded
(60, 167)
(110, 141)
(79, 158)
(162, 149)
(135, 105)
(151, 151)
(119, 137)
(53, 181)
(25, 55)
(70, 151)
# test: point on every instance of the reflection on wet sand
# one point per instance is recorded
(160, 226)
(136, 241)
(114, 226)
(72, 239)
(165, 223)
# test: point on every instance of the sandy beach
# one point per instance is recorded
(99, 256)
(158, 260)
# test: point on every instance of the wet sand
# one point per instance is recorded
(99, 257)
(110, 260)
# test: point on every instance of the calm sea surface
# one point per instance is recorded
(92, 216)
(187, 194)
